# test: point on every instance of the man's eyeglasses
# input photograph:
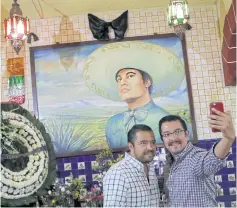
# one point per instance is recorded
(177, 132)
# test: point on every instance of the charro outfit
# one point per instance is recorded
(118, 125)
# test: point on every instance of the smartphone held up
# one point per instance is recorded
(218, 106)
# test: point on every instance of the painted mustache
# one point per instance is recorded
(174, 141)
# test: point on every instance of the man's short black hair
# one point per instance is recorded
(136, 128)
(145, 77)
(170, 118)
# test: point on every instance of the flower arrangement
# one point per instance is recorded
(94, 197)
(28, 164)
(77, 188)
(104, 160)
(74, 189)
(64, 194)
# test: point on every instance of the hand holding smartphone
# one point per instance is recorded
(218, 106)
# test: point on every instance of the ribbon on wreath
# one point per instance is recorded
(16, 81)
(14, 156)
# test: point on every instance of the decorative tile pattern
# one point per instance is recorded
(232, 190)
(231, 177)
(67, 166)
(218, 178)
(234, 204)
(81, 165)
(68, 180)
(221, 204)
(95, 177)
(93, 163)
(82, 177)
(230, 164)
(220, 192)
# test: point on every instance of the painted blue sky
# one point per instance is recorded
(172, 43)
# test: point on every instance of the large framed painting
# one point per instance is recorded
(90, 94)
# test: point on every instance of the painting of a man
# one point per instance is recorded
(135, 88)
(151, 71)
(89, 95)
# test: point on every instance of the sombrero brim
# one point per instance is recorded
(101, 66)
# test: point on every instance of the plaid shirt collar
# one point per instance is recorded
(171, 158)
(135, 163)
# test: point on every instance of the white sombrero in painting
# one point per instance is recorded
(101, 66)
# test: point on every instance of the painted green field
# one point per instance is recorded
(75, 134)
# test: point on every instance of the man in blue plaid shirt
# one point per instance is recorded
(190, 176)
(132, 182)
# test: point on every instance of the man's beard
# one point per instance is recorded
(143, 158)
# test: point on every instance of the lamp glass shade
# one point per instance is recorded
(16, 27)
(178, 12)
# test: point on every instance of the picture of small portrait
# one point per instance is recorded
(91, 95)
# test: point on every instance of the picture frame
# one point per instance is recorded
(75, 111)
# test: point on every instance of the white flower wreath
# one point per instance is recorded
(20, 131)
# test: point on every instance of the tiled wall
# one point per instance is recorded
(81, 167)
(203, 47)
